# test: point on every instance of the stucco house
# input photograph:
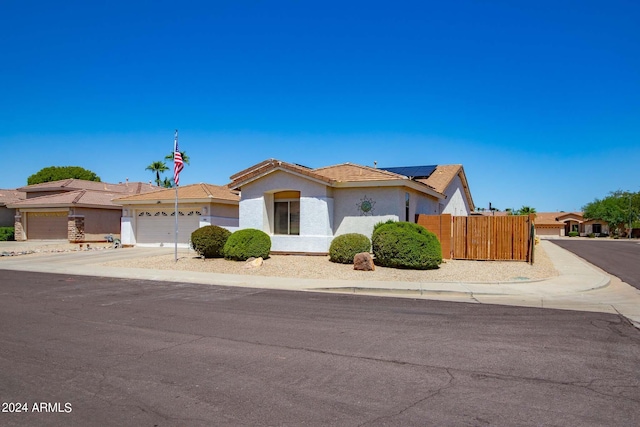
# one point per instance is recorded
(303, 209)
(7, 197)
(558, 224)
(149, 219)
(71, 209)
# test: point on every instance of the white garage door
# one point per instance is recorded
(155, 227)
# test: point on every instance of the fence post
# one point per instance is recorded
(532, 238)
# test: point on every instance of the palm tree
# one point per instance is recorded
(167, 183)
(526, 210)
(185, 158)
(157, 168)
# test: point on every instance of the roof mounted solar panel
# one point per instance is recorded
(416, 172)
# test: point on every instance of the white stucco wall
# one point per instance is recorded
(230, 224)
(426, 205)
(316, 212)
(456, 202)
(388, 203)
(127, 236)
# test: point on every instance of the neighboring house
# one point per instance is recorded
(490, 213)
(150, 219)
(303, 209)
(558, 224)
(71, 209)
(7, 215)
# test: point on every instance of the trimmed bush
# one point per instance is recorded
(209, 241)
(344, 247)
(247, 243)
(7, 234)
(573, 234)
(406, 245)
(380, 224)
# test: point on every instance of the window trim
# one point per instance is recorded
(288, 201)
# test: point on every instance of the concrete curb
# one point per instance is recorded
(579, 285)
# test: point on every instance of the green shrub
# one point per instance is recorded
(380, 224)
(573, 234)
(591, 235)
(406, 245)
(344, 247)
(7, 234)
(209, 241)
(247, 243)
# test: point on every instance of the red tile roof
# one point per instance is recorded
(188, 192)
(85, 198)
(81, 184)
(79, 192)
(11, 196)
(331, 175)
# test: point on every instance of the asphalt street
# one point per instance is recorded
(103, 351)
(618, 257)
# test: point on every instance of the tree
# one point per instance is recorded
(525, 210)
(618, 209)
(56, 173)
(157, 168)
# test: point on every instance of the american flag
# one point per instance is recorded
(178, 164)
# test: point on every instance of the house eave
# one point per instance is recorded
(391, 183)
(239, 185)
(66, 206)
(207, 201)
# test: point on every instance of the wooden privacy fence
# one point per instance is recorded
(496, 238)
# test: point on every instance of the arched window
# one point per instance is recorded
(286, 209)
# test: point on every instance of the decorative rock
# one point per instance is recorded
(363, 262)
(254, 263)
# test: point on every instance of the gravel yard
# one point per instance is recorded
(315, 267)
(319, 267)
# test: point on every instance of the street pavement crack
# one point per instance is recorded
(417, 402)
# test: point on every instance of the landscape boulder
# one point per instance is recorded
(363, 262)
(254, 262)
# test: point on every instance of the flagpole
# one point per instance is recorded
(175, 148)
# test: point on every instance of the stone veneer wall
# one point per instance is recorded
(19, 229)
(75, 228)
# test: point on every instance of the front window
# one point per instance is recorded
(597, 228)
(286, 210)
(406, 207)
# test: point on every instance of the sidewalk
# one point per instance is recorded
(579, 286)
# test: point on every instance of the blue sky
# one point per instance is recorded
(540, 101)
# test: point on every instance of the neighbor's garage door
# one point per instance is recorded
(159, 226)
(47, 225)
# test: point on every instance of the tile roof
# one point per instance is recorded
(437, 182)
(187, 192)
(11, 196)
(346, 172)
(553, 219)
(349, 172)
(81, 184)
(70, 198)
(489, 213)
(266, 166)
(440, 179)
